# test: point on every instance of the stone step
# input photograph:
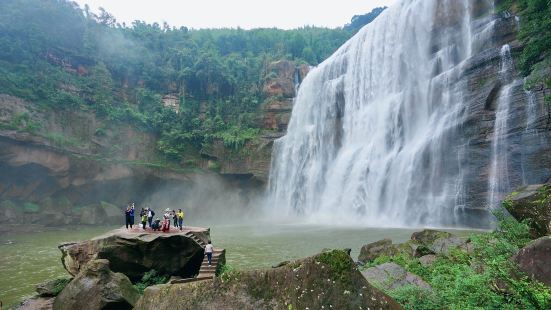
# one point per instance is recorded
(207, 268)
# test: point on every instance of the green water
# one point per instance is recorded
(33, 258)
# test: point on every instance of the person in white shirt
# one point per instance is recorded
(208, 250)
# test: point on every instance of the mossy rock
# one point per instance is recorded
(52, 288)
(532, 204)
(329, 280)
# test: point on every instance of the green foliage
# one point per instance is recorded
(122, 71)
(535, 31)
(340, 263)
(358, 21)
(485, 278)
(228, 273)
(214, 166)
(30, 207)
(60, 284)
(150, 278)
(23, 122)
(236, 137)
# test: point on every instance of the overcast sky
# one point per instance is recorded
(246, 14)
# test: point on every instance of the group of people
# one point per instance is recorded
(146, 217)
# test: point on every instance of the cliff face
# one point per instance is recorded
(254, 159)
(57, 160)
(527, 157)
(61, 167)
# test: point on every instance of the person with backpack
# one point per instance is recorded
(156, 225)
(143, 218)
(180, 215)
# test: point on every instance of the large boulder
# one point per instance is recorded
(430, 241)
(532, 203)
(373, 250)
(134, 253)
(97, 287)
(391, 276)
(328, 280)
(535, 260)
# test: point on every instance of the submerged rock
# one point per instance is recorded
(391, 276)
(97, 287)
(328, 280)
(134, 253)
(535, 259)
(533, 203)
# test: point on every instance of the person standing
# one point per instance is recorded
(208, 251)
(180, 215)
(143, 218)
(166, 221)
(175, 218)
(127, 216)
(132, 216)
(150, 215)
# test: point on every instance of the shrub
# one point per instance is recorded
(150, 278)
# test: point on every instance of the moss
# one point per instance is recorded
(340, 264)
(30, 207)
(59, 285)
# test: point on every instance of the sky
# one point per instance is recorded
(247, 14)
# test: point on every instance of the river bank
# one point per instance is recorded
(29, 257)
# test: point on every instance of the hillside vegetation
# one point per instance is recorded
(65, 57)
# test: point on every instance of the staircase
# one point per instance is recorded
(206, 272)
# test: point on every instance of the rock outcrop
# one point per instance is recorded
(392, 276)
(52, 288)
(78, 168)
(326, 281)
(422, 243)
(373, 250)
(535, 260)
(97, 287)
(134, 253)
(532, 203)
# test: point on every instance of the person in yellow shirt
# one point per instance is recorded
(180, 215)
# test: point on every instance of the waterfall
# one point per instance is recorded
(530, 135)
(374, 133)
(498, 182)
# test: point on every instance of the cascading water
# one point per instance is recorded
(373, 127)
(498, 182)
